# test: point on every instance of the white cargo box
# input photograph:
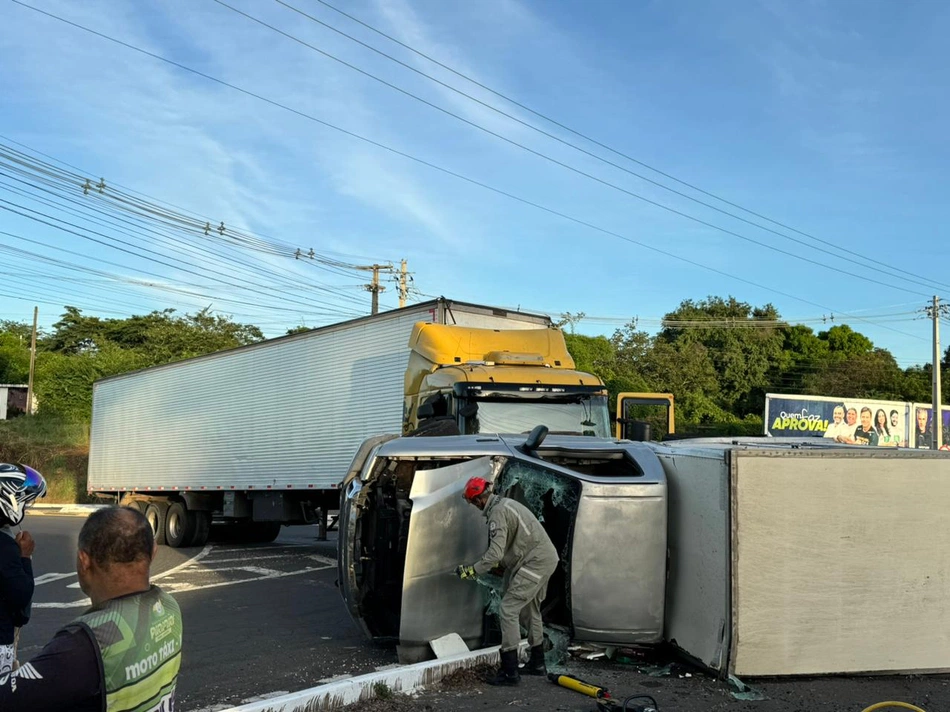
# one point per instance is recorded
(808, 559)
(284, 414)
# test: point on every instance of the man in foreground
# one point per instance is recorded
(517, 543)
(124, 653)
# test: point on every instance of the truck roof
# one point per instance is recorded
(445, 345)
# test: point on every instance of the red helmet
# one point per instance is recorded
(474, 487)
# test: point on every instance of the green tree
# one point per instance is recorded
(844, 342)
(593, 354)
(14, 358)
(743, 343)
(64, 381)
(82, 349)
(19, 329)
(803, 353)
(872, 374)
(75, 332)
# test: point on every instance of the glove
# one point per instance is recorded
(465, 573)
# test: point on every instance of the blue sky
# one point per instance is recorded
(828, 117)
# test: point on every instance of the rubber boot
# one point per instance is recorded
(535, 664)
(508, 670)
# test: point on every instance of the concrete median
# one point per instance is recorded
(403, 680)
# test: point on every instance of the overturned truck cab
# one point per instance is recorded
(404, 527)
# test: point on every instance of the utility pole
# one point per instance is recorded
(937, 418)
(374, 288)
(403, 285)
(29, 388)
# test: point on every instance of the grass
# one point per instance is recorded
(382, 691)
(57, 447)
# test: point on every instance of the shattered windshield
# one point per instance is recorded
(587, 417)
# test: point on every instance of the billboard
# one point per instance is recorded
(852, 421)
(922, 428)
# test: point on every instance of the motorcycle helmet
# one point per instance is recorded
(20, 486)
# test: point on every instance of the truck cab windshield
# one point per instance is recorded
(589, 416)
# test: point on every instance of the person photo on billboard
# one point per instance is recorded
(881, 427)
(865, 433)
(837, 426)
(924, 438)
(846, 434)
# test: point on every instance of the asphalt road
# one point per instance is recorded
(258, 619)
(263, 619)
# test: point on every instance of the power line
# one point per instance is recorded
(142, 210)
(848, 256)
(5, 203)
(33, 256)
(580, 172)
(428, 164)
(256, 269)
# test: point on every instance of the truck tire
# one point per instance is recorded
(202, 527)
(180, 525)
(155, 514)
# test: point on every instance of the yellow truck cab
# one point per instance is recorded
(500, 381)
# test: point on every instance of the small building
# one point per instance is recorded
(12, 400)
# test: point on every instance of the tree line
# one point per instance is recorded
(718, 356)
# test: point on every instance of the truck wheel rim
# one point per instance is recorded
(174, 526)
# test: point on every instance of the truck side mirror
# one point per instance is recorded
(638, 430)
(469, 410)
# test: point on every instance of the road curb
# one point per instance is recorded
(400, 680)
(63, 510)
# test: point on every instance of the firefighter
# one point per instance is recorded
(518, 544)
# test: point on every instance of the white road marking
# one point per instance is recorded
(49, 578)
(193, 560)
(71, 604)
(210, 562)
(185, 587)
(85, 601)
(191, 567)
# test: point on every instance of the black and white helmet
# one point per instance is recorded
(20, 485)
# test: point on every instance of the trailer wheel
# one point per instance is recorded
(155, 514)
(180, 525)
(202, 527)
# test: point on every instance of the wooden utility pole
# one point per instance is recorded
(29, 388)
(403, 285)
(374, 287)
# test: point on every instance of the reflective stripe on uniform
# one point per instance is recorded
(507, 504)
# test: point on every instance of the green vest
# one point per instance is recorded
(139, 641)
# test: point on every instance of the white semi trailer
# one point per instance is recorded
(260, 435)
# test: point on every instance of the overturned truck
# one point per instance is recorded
(754, 557)
(404, 527)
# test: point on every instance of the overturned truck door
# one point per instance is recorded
(444, 531)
